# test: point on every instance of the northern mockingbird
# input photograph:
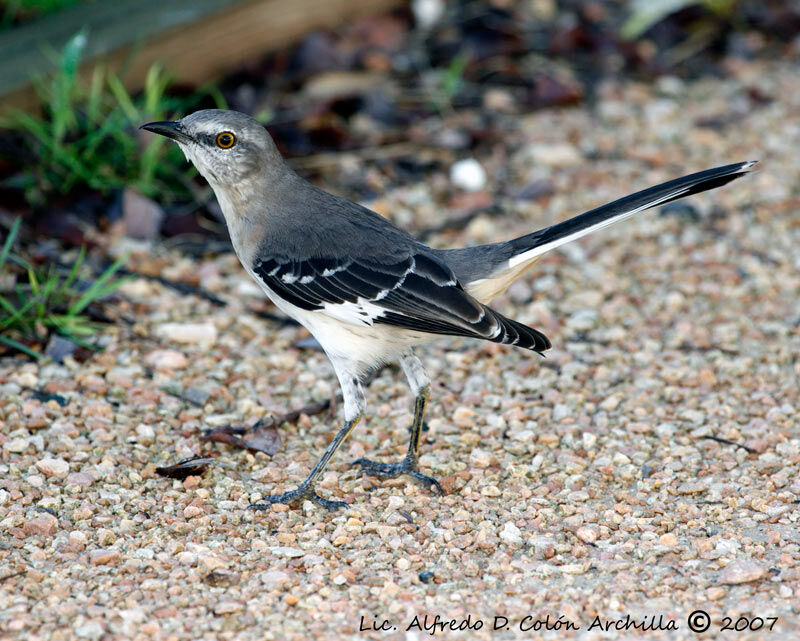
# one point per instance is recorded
(366, 290)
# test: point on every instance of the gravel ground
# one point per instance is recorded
(578, 486)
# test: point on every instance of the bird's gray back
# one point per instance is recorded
(308, 222)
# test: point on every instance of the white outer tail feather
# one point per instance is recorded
(525, 256)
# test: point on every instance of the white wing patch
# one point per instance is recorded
(363, 311)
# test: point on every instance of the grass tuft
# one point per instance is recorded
(86, 137)
(36, 302)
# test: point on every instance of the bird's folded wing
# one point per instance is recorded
(418, 292)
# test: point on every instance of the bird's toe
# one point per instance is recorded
(295, 497)
(393, 470)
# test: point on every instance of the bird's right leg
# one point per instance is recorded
(421, 386)
(354, 405)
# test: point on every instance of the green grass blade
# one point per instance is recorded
(47, 288)
(123, 98)
(111, 287)
(95, 98)
(155, 85)
(65, 82)
(19, 314)
(73, 52)
(60, 155)
(10, 342)
(34, 282)
(12, 234)
(81, 342)
(96, 288)
(20, 261)
(7, 305)
(73, 273)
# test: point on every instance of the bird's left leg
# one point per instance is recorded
(354, 405)
(421, 386)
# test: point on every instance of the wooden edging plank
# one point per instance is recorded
(195, 41)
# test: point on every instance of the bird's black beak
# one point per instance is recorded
(169, 129)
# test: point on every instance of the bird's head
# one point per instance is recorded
(228, 148)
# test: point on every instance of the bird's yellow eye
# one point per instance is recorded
(225, 140)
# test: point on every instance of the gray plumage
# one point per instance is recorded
(367, 290)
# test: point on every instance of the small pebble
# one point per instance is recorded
(583, 320)
(141, 216)
(166, 359)
(560, 154)
(191, 511)
(480, 458)
(81, 479)
(145, 433)
(228, 607)
(427, 13)
(35, 480)
(589, 440)
(54, 467)
(611, 403)
(668, 539)
(511, 534)
(16, 445)
(742, 572)
(42, 525)
(468, 174)
(104, 557)
(204, 334)
(195, 395)
(288, 552)
(105, 537)
(89, 631)
(692, 487)
(560, 412)
(464, 417)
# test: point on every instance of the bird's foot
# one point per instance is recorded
(293, 497)
(393, 470)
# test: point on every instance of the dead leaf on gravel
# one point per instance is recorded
(263, 439)
(195, 465)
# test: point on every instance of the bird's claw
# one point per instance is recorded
(393, 470)
(302, 493)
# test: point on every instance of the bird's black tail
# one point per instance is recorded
(532, 245)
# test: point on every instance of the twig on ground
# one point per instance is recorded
(13, 574)
(725, 441)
